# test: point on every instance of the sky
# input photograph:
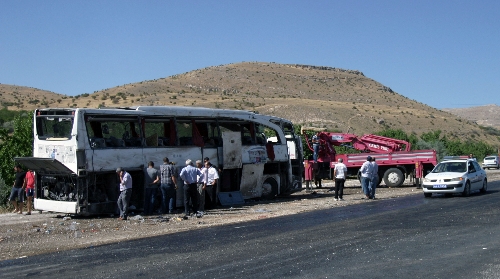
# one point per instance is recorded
(443, 53)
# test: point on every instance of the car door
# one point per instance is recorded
(474, 176)
(480, 173)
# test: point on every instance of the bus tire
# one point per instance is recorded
(393, 177)
(269, 188)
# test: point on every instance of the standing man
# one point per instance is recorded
(211, 180)
(152, 179)
(188, 175)
(168, 186)
(315, 142)
(339, 172)
(366, 175)
(125, 192)
(17, 190)
(374, 180)
(200, 180)
(30, 189)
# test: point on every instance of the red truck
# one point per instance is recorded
(395, 159)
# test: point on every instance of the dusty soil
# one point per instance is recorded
(27, 235)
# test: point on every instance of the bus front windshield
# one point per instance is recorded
(54, 128)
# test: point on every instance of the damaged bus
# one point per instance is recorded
(77, 150)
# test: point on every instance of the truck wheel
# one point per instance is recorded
(393, 177)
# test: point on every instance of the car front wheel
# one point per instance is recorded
(466, 191)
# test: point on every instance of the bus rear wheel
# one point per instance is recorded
(269, 188)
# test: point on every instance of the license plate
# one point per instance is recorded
(439, 186)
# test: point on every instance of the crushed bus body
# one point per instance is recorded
(77, 150)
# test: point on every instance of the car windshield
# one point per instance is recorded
(450, 167)
(489, 158)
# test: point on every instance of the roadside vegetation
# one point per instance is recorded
(18, 143)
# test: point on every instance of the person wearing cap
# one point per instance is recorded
(189, 175)
(125, 192)
(374, 180)
(168, 186)
(366, 175)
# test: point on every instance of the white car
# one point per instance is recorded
(491, 162)
(455, 176)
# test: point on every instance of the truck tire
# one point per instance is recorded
(393, 177)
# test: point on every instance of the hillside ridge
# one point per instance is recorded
(334, 98)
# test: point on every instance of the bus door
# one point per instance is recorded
(231, 161)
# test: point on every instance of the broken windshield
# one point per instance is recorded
(54, 127)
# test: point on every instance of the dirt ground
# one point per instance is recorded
(27, 235)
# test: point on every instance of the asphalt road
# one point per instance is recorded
(409, 237)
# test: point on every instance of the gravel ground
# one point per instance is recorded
(27, 235)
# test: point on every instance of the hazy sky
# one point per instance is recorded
(442, 53)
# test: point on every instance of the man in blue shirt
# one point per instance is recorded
(189, 176)
(315, 142)
(125, 192)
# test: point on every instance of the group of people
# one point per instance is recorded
(24, 183)
(369, 177)
(198, 181)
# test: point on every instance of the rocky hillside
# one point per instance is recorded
(488, 116)
(338, 99)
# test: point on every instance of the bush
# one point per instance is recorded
(17, 144)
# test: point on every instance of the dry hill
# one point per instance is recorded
(488, 116)
(338, 99)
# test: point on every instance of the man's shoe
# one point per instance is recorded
(335, 199)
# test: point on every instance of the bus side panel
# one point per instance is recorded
(110, 159)
(232, 150)
(281, 152)
(251, 181)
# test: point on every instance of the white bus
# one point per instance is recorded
(77, 150)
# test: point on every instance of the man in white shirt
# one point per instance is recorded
(201, 185)
(125, 192)
(366, 175)
(339, 172)
(211, 180)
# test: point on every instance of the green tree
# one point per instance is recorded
(17, 144)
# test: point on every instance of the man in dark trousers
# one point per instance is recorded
(189, 176)
(17, 190)
(151, 183)
(168, 187)
(125, 192)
